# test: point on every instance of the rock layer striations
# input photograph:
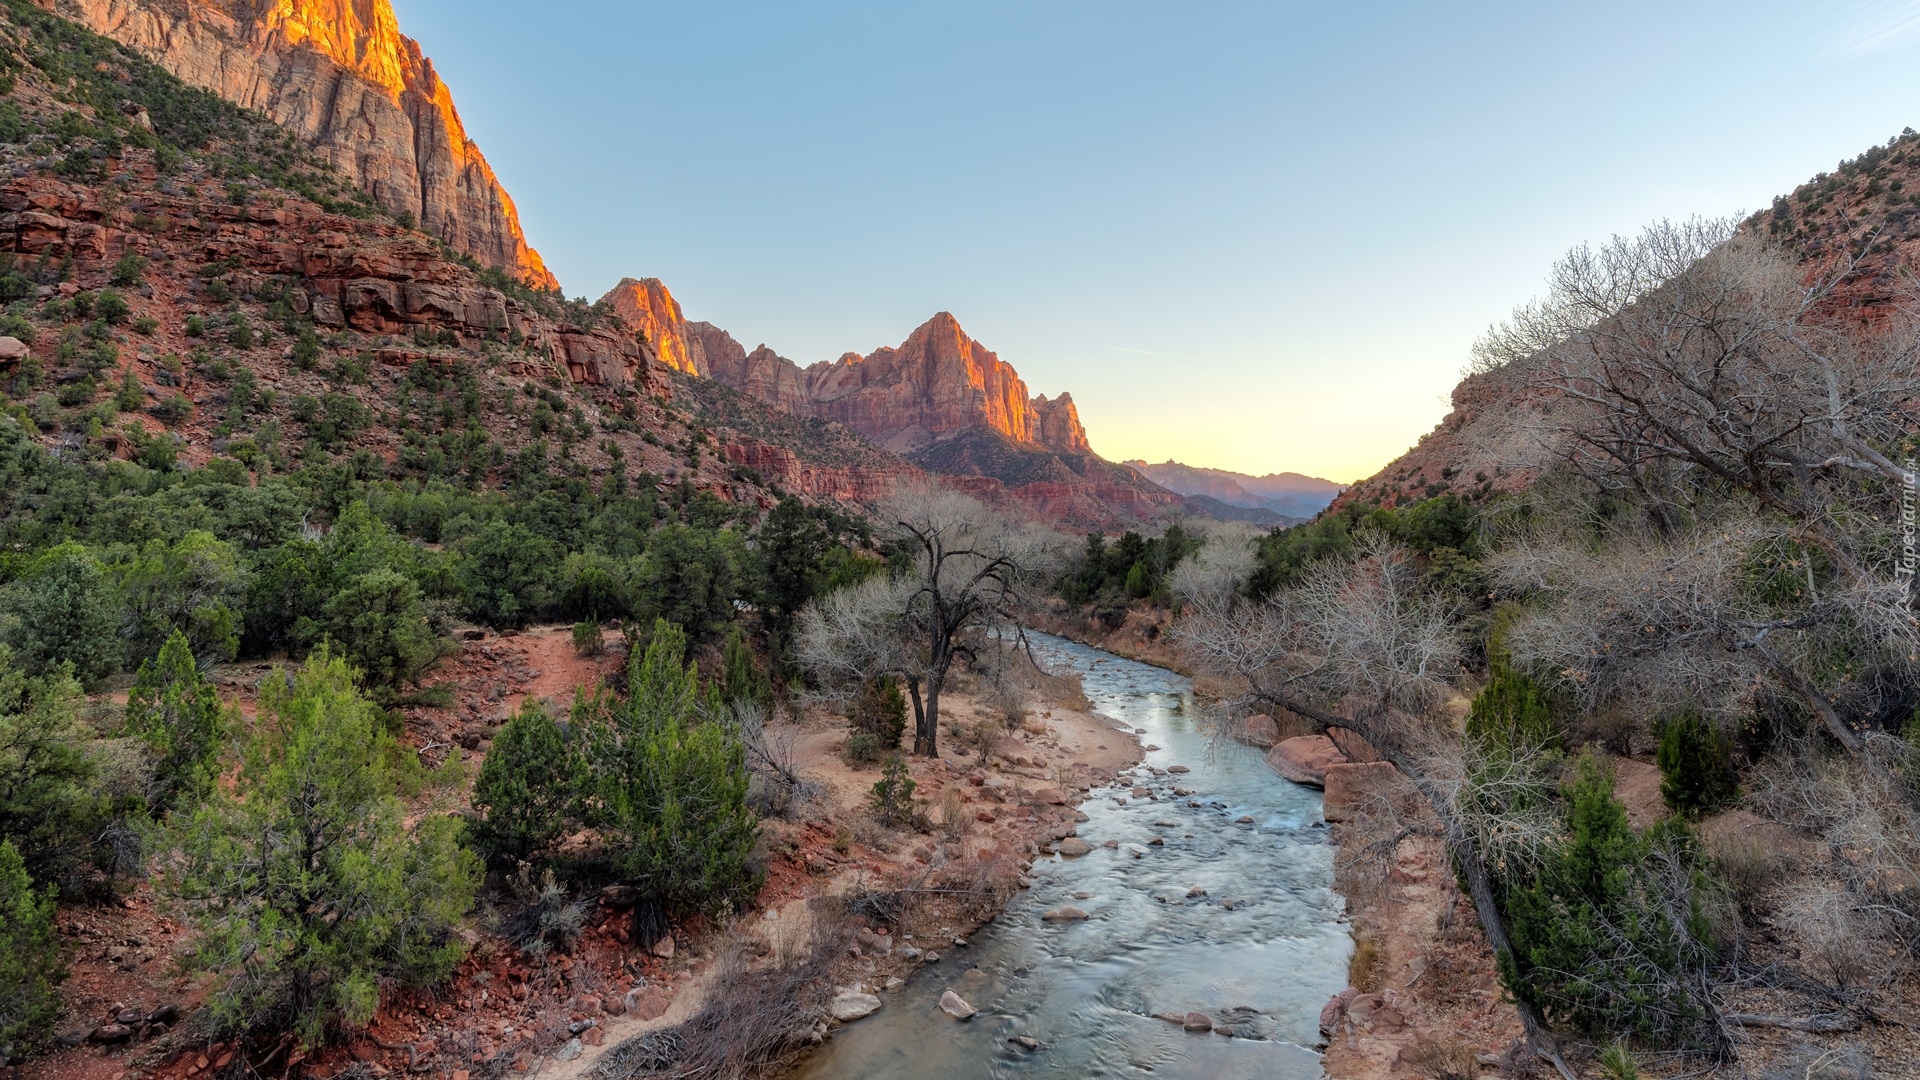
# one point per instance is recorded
(341, 76)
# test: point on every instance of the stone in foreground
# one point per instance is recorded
(849, 1005)
(955, 1006)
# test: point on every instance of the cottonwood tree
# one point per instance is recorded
(1719, 614)
(1698, 376)
(1359, 646)
(968, 575)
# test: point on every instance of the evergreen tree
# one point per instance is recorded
(63, 612)
(1696, 765)
(745, 681)
(310, 890)
(45, 769)
(32, 964)
(178, 714)
(670, 781)
(527, 786)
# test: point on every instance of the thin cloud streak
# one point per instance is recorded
(1877, 27)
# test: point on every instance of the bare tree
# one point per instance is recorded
(1218, 571)
(972, 574)
(1699, 376)
(1360, 647)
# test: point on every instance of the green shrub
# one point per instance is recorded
(196, 326)
(195, 586)
(506, 571)
(891, 797)
(309, 890)
(527, 787)
(880, 711)
(32, 961)
(177, 713)
(146, 325)
(240, 332)
(863, 748)
(379, 622)
(587, 639)
(670, 783)
(741, 673)
(129, 271)
(111, 308)
(131, 395)
(1595, 947)
(172, 410)
(1696, 765)
(45, 769)
(62, 611)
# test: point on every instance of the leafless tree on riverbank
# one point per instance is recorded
(1360, 647)
(971, 574)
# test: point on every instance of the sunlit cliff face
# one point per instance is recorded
(938, 383)
(341, 75)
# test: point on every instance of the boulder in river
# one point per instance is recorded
(1073, 847)
(1065, 914)
(1304, 759)
(956, 1006)
(851, 1005)
(1197, 1021)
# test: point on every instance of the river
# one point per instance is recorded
(1262, 949)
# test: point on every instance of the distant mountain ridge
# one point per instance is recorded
(1290, 495)
(934, 386)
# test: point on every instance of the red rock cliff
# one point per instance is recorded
(340, 75)
(937, 384)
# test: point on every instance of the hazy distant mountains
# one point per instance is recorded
(1290, 495)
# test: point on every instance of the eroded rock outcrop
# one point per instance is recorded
(341, 76)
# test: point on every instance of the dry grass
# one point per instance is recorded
(1366, 967)
(1444, 1059)
(756, 1020)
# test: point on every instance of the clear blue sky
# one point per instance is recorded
(1249, 235)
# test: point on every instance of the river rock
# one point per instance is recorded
(1197, 1021)
(1304, 759)
(1068, 913)
(1336, 1009)
(1073, 847)
(956, 1006)
(1050, 796)
(646, 1002)
(1178, 769)
(849, 1005)
(1243, 819)
(1196, 891)
(1025, 1042)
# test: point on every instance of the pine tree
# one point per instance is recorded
(1696, 765)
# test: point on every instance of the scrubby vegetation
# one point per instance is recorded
(1667, 591)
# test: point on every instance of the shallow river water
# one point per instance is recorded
(1088, 991)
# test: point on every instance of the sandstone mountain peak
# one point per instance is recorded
(937, 384)
(341, 76)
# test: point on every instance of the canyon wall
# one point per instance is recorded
(341, 76)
